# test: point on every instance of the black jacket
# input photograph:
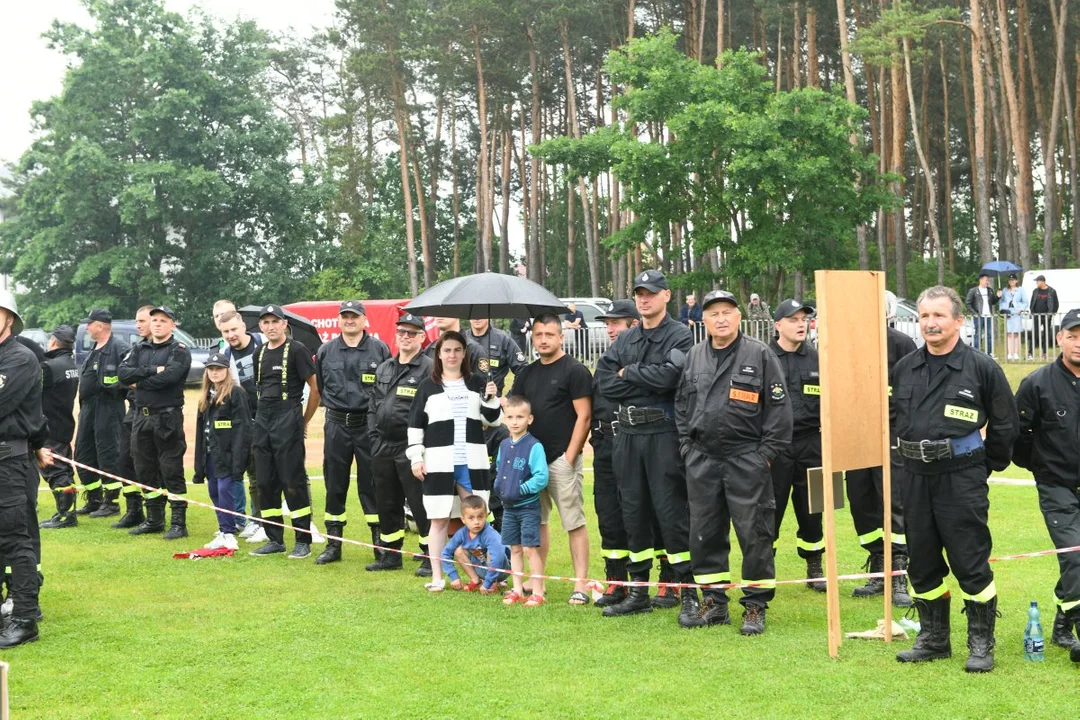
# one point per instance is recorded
(969, 393)
(1044, 301)
(974, 300)
(803, 381)
(59, 386)
(391, 402)
(653, 361)
(20, 393)
(346, 375)
(155, 389)
(230, 428)
(738, 406)
(500, 352)
(1049, 404)
(99, 377)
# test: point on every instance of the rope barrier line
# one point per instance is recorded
(590, 582)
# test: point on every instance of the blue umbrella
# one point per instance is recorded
(1000, 267)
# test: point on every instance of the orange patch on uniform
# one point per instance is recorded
(744, 395)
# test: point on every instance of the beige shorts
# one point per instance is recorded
(565, 489)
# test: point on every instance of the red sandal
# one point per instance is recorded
(512, 598)
(535, 601)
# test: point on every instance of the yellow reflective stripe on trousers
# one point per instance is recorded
(131, 489)
(1067, 606)
(92, 486)
(392, 537)
(673, 558)
(302, 512)
(113, 485)
(422, 540)
(273, 512)
(713, 578)
(809, 546)
(374, 519)
(768, 583)
(876, 534)
(614, 554)
(985, 596)
(643, 555)
(152, 494)
(334, 518)
(659, 552)
(899, 539)
(932, 594)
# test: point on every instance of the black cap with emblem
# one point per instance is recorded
(275, 310)
(99, 315)
(652, 280)
(1071, 319)
(621, 310)
(217, 360)
(163, 310)
(718, 296)
(789, 307)
(410, 319)
(352, 306)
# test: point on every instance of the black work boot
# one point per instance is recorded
(690, 614)
(933, 641)
(875, 585)
(636, 601)
(813, 570)
(1063, 631)
(64, 517)
(376, 541)
(753, 619)
(92, 503)
(666, 597)
(178, 522)
(425, 563)
(134, 515)
(155, 518)
(392, 561)
(18, 631)
(109, 507)
(982, 618)
(614, 593)
(900, 597)
(332, 553)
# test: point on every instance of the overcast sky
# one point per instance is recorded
(30, 71)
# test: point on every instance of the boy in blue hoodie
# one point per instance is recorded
(522, 474)
(477, 543)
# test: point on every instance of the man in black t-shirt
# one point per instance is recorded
(559, 388)
(282, 367)
(240, 347)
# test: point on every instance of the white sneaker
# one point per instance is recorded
(228, 541)
(315, 536)
(215, 543)
(249, 529)
(435, 586)
(259, 536)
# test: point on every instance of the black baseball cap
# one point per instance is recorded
(621, 310)
(99, 315)
(217, 360)
(984, 274)
(275, 310)
(163, 310)
(716, 296)
(1040, 277)
(652, 280)
(352, 306)
(64, 333)
(789, 307)
(1071, 319)
(1012, 276)
(410, 319)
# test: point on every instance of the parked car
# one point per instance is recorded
(589, 343)
(38, 335)
(600, 302)
(126, 329)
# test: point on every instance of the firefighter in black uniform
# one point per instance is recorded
(944, 395)
(21, 426)
(396, 381)
(158, 368)
(864, 495)
(613, 544)
(101, 411)
(477, 353)
(1049, 404)
(282, 367)
(734, 421)
(345, 371)
(133, 495)
(59, 386)
(799, 360)
(640, 372)
(500, 350)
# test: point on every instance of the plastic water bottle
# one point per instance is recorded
(1033, 635)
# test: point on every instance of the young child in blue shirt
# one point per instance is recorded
(522, 474)
(477, 543)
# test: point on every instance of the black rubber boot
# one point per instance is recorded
(690, 613)
(933, 641)
(64, 517)
(93, 502)
(636, 601)
(134, 515)
(900, 597)
(425, 563)
(109, 506)
(332, 553)
(874, 586)
(614, 594)
(18, 631)
(813, 570)
(178, 521)
(155, 518)
(982, 618)
(666, 597)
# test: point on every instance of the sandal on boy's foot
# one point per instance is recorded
(578, 598)
(535, 601)
(435, 586)
(513, 598)
(471, 586)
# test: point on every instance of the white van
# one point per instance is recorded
(1065, 281)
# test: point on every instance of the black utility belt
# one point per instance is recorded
(350, 418)
(155, 410)
(607, 429)
(929, 451)
(13, 448)
(634, 416)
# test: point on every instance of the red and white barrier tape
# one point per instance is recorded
(590, 582)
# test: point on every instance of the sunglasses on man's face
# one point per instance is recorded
(409, 333)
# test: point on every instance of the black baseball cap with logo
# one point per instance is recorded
(275, 310)
(621, 310)
(652, 280)
(789, 307)
(163, 310)
(99, 315)
(1071, 319)
(719, 296)
(64, 333)
(217, 360)
(352, 306)
(412, 320)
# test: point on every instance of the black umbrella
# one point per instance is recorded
(303, 330)
(486, 295)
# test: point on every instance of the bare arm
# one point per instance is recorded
(583, 408)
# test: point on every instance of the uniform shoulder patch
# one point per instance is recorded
(482, 365)
(520, 357)
(777, 392)
(181, 345)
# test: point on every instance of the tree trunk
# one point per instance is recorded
(403, 158)
(1050, 153)
(483, 210)
(979, 171)
(455, 189)
(796, 46)
(570, 231)
(928, 178)
(504, 218)
(1074, 161)
(849, 88)
(533, 263)
(947, 153)
(812, 77)
(719, 33)
(425, 245)
(899, 123)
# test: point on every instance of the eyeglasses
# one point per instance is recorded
(409, 333)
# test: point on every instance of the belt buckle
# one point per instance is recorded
(630, 415)
(923, 444)
(348, 418)
(145, 411)
(614, 427)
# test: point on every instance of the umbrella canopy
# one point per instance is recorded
(486, 295)
(1000, 267)
(303, 330)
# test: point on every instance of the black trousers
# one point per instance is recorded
(948, 513)
(341, 446)
(609, 514)
(18, 515)
(97, 442)
(736, 490)
(279, 467)
(652, 488)
(159, 444)
(127, 456)
(394, 484)
(789, 481)
(864, 495)
(1060, 507)
(59, 474)
(1042, 329)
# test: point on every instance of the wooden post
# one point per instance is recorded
(886, 467)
